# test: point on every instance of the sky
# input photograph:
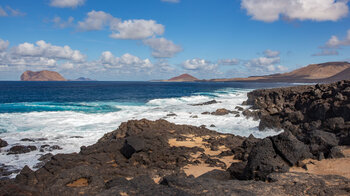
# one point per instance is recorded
(138, 40)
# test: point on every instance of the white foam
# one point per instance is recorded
(59, 127)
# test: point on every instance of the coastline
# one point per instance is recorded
(145, 157)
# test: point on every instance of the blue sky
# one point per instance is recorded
(158, 39)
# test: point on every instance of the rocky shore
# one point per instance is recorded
(143, 157)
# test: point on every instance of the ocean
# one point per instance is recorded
(73, 114)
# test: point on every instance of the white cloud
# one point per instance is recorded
(136, 29)
(10, 12)
(162, 48)
(335, 42)
(95, 20)
(43, 49)
(4, 45)
(228, 61)
(266, 64)
(198, 64)
(127, 29)
(58, 22)
(126, 60)
(171, 1)
(67, 3)
(316, 10)
(271, 53)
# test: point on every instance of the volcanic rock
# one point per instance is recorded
(42, 76)
(21, 149)
(3, 143)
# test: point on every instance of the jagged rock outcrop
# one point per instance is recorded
(145, 157)
(42, 76)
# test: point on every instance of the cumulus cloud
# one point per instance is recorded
(333, 44)
(8, 11)
(162, 48)
(4, 45)
(136, 29)
(228, 61)
(43, 49)
(272, 10)
(67, 3)
(267, 63)
(126, 60)
(127, 29)
(198, 64)
(146, 30)
(95, 20)
(58, 22)
(171, 1)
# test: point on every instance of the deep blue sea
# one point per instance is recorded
(54, 113)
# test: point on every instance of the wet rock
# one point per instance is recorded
(171, 114)
(239, 108)
(49, 148)
(237, 115)
(206, 103)
(194, 116)
(27, 140)
(3, 143)
(78, 137)
(251, 114)
(43, 160)
(21, 149)
(221, 112)
(205, 113)
(212, 125)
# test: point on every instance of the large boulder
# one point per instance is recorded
(290, 148)
(264, 160)
(321, 141)
(132, 145)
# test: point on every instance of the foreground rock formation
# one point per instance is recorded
(42, 76)
(160, 158)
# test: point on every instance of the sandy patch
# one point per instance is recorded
(202, 168)
(79, 183)
(198, 170)
(340, 166)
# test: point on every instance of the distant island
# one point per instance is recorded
(83, 79)
(46, 75)
(181, 78)
(42, 76)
